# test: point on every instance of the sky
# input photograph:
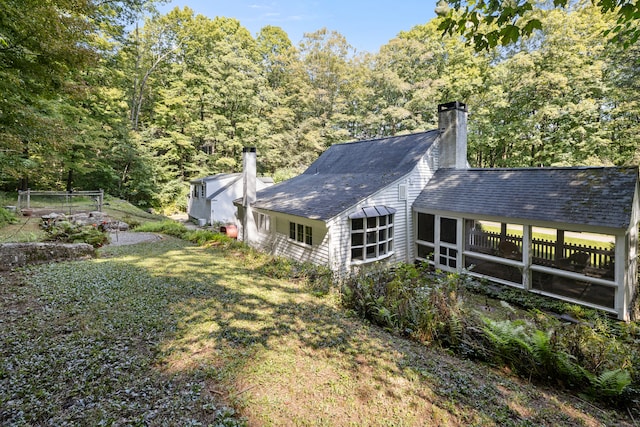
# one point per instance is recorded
(366, 24)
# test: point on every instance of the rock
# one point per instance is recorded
(14, 255)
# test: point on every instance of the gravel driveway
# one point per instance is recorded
(121, 238)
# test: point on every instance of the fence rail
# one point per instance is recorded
(24, 197)
(543, 251)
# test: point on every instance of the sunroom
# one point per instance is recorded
(566, 233)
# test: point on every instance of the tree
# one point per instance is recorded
(545, 102)
(488, 23)
(45, 50)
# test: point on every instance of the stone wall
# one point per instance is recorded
(14, 255)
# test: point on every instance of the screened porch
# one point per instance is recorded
(570, 265)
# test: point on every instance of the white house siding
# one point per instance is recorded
(277, 242)
(221, 208)
(626, 310)
(197, 204)
(403, 234)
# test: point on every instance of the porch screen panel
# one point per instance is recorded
(590, 255)
(426, 225)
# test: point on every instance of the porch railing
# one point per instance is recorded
(542, 251)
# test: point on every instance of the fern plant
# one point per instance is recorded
(610, 383)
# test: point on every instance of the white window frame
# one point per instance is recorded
(263, 222)
(302, 234)
(375, 238)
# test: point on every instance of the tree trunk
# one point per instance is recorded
(70, 181)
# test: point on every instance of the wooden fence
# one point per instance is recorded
(543, 251)
(63, 198)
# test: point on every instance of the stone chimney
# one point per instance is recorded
(452, 122)
(249, 229)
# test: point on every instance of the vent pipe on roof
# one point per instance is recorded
(452, 122)
(249, 229)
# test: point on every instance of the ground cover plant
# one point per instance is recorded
(171, 333)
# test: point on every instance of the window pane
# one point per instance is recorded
(425, 252)
(357, 239)
(300, 234)
(371, 237)
(372, 222)
(383, 220)
(382, 249)
(308, 235)
(357, 224)
(382, 235)
(426, 227)
(371, 251)
(292, 230)
(448, 230)
(356, 254)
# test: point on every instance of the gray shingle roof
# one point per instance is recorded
(591, 196)
(346, 174)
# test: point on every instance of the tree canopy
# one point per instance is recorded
(140, 109)
(489, 23)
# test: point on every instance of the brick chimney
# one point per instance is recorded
(249, 229)
(452, 122)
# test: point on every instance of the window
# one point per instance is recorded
(263, 222)
(371, 233)
(301, 233)
(203, 190)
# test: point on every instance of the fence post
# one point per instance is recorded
(100, 200)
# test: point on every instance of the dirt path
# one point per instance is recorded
(121, 238)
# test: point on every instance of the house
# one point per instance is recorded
(211, 198)
(567, 233)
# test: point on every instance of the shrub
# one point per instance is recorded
(430, 307)
(410, 300)
(169, 227)
(66, 232)
(200, 237)
(7, 217)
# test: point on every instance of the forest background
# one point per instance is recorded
(113, 95)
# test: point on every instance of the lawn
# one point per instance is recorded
(174, 334)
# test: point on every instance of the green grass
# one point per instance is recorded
(174, 334)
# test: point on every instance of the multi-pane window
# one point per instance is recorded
(301, 233)
(203, 190)
(371, 234)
